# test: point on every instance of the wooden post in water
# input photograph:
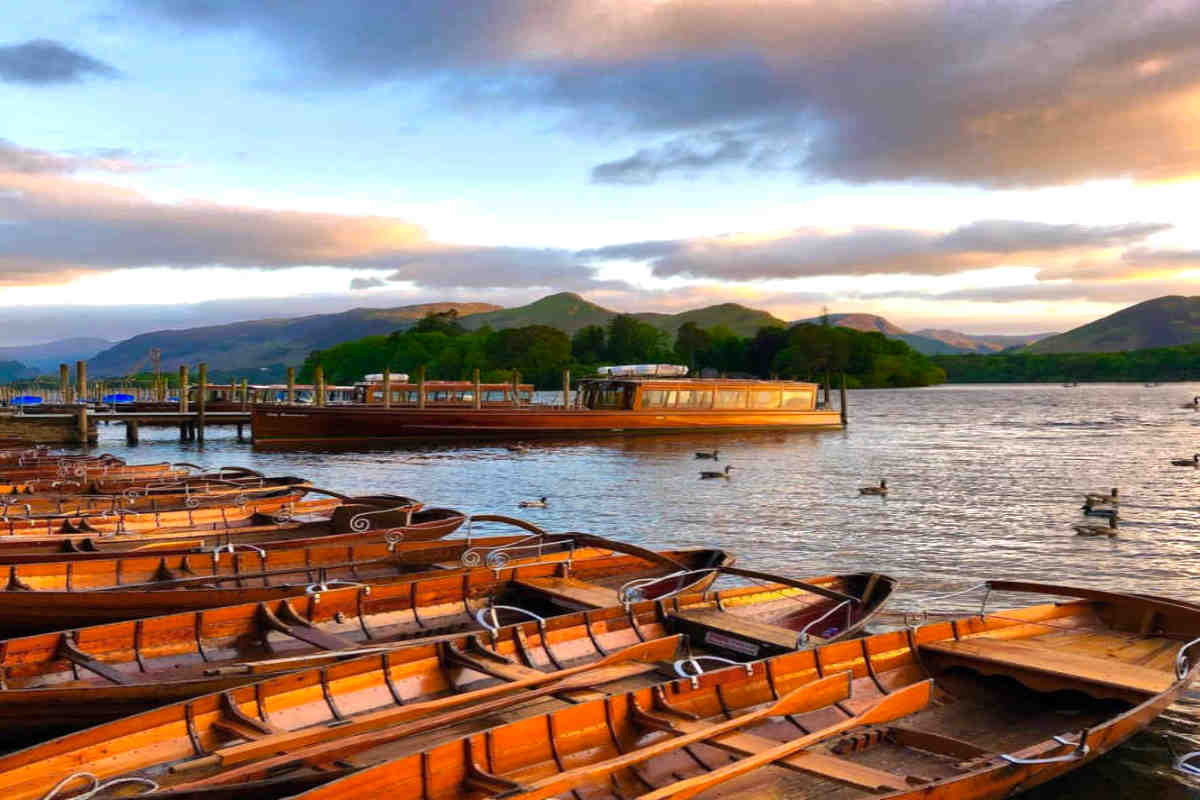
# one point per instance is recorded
(201, 398)
(81, 383)
(828, 390)
(319, 385)
(387, 388)
(245, 395)
(516, 380)
(478, 401)
(566, 389)
(291, 385)
(64, 384)
(183, 389)
(843, 399)
(82, 417)
(421, 386)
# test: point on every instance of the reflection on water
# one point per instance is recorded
(985, 482)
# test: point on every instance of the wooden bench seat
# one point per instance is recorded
(572, 593)
(748, 637)
(1061, 665)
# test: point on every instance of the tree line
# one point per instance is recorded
(1179, 363)
(540, 353)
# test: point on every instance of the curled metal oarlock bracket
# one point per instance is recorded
(1081, 751)
(360, 524)
(922, 612)
(1183, 764)
(635, 590)
(232, 547)
(1183, 665)
(500, 557)
(802, 637)
(493, 626)
(336, 583)
(393, 537)
(693, 661)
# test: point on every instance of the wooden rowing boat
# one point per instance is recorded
(152, 497)
(221, 512)
(527, 649)
(301, 520)
(979, 707)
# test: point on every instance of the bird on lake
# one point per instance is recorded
(881, 489)
(517, 448)
(1101, 499)
(1097, 530)
(1194, 461)
(724, 474)
(1194, 404)
(706, 454)
(533, 503)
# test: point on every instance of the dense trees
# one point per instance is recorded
(540, 353)
(1180, 363)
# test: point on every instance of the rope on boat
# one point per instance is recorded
(97, 785)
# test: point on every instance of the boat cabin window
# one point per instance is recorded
(493, 396)
(797, 400)
(657, 398)
(731, 398)
(609, 396)
(526, 396)
(695, 398)
(768, 398)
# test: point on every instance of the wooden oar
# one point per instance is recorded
(818, 694)
(908, 700)
(309, 742)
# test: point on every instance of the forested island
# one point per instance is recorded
(540, 352)
(1179, 363)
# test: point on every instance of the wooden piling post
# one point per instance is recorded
(843, 399)
(291, 385)
(183, 389)
(201, 398)
(478, 392)
(566, 389)
(81, 381)
(387, 387)
(131, 431)
(82, 416)
(319, 385)
(245, 401)
(516, 383)
(421, 386)
(240, 436)
(64, 384)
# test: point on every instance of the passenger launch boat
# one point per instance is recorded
(623, 401)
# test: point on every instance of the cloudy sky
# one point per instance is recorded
(992, 166)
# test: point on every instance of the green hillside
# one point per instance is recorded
(1162, 322)
(570, 313)
(261, 349)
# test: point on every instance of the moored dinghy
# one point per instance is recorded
(254, 732)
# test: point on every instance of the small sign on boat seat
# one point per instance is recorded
(739, 635)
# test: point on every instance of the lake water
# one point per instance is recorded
(985, 483)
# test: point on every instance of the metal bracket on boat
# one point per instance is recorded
(324, 586)
(1081, 751)
(231, 547)
(694, 662)
(360, 524)
(1182, 664)
(1183, 764)
(802, 638)
(482, 614)
(922, 612)
(499, 557)
(97, 785)
(635, 590)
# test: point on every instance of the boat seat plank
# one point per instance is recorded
(1035, 657)
(572, 592)
(723, 622)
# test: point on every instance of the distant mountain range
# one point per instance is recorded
(46, 356)
(1161, 322)
(932, 341)
(261, 349)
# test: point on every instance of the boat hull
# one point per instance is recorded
(365, 424)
